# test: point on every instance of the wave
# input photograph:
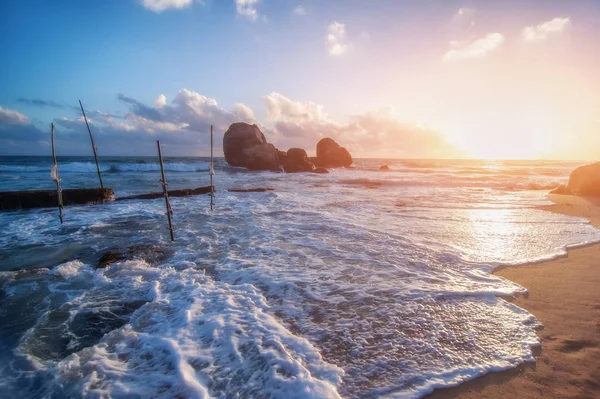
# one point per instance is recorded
(461, 182)
(90, 167)
(431, 167)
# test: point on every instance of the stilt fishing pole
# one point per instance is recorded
(164, 185)
(56, 178)
(93, 145)
(212, 171)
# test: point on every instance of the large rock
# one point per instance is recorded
(297, 161)
(237, 139)
(331, 155)
(261, 157)
(584, 181)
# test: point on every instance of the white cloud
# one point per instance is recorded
(243, 113)
(300, 11)
(160, 101)
(247, 9)
(475, 49)
(159, 6)
(184, 122)
(281, 108)
(379, 133)
(336, 39)
(545, 29)
(10, 117)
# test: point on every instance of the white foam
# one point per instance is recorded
(69, 270)
(318, 289)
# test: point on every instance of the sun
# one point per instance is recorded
(525, 136)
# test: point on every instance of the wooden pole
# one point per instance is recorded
(212, 170)
(56, 178)
(163, 183)
(93, 145)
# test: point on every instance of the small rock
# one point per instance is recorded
(152, 254)
(297, 161)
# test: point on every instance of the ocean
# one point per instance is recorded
(359, 283)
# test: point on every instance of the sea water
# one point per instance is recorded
(356, 283)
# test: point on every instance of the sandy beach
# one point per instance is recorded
(564, 295)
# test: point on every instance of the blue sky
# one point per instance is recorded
(406, 78)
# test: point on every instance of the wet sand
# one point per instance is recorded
(564, 295)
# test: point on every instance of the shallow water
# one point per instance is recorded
(358, 283)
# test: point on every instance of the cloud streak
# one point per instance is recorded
(159, 6)
(461, 51)
(544, 30)
(39, 103)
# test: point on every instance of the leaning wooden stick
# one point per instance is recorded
(56, 178)
(93, 145)
(212, 171)
(163, 182)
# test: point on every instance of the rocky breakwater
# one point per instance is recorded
(584, 182)
(245, 145)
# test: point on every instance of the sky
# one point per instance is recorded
(509, 79)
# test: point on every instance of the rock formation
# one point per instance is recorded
(297, 161)
(245, 145)
(331, 155)
(261, 157)
(584, 182)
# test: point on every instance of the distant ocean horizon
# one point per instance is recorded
(356, 283)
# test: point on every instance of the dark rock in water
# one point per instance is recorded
(331, 155)
(384, 167)
(261, 157)
(60, 333)
(283, 156)
(110, 257)
(584, 182)
(297, 161)
(47, 198)
(297, 167)
(250, 190)
(296, 155)
(320, 170)
(152, 254)
(186, 192)
(245, 145)
(239, 137)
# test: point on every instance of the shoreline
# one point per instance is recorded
(564, 296)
